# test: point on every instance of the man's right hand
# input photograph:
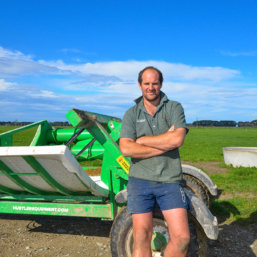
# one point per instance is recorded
(131, 148)
(172, 128)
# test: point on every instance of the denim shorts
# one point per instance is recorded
(144, 194)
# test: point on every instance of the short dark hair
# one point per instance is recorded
(140, 74)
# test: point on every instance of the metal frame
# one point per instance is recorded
(32, 200)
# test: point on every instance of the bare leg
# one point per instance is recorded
(179, 232)
(142, 234)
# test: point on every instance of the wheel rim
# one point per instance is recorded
(129, 243)
(158, 241)
(159, 226)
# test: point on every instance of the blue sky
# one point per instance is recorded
(57, 55)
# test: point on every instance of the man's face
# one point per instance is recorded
(150, 85)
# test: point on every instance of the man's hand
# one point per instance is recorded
(149, 146)
(172, 128)
(131, 148)
(167, 141)
(140, 140)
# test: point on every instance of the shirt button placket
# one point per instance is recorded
(154, 125)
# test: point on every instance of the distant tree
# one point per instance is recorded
(254, 123)
(244, 124)
(24, 123)
(215, 123)
(227, 123)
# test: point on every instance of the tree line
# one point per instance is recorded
(24, 123)
(224, 123)
(198, 123)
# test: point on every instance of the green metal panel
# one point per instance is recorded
(95, 151)
(113, 160)
(90, 167)
(57, 209)
(92, 124)
(62, 135)
(109, 145)
(6, 140)
(115, 128)
(113, 175)
(8, 190)
(80, 119)
(40, 137)
(27, 197)
(21, 174)
(84, 204)
(6, 137)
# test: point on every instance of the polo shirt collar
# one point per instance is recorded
(139, 101)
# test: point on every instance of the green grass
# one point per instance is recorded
(205, 144)
(238, 189)
(22, 138)
(236, 209)
(238, 180)
(238, 186)
(6, 128)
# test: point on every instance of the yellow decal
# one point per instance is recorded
(123, 163)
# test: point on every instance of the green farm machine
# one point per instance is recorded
(54, 175)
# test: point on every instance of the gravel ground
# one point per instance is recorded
(75, 237)
(51, 236)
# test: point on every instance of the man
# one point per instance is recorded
(152, 131)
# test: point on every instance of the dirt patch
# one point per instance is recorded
(93, 172)
(209, 167)
(53, 236)
(238, 194)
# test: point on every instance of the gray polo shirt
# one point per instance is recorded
(137, 122)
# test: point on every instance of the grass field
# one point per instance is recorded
(205, 144)
(238, 186)
(22, 138)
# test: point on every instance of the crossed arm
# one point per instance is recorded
(149, 146)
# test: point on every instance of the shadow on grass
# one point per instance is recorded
(223, 210)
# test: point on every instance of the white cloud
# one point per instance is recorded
(43, 94)
(6, 53)
(4, 85)
(22, 67)
(15, 62)
(111, 87)
(129, 70)
(235, 54)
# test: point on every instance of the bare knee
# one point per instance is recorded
(142, 234)
(142, 243)
(182, 243)
(142, 238)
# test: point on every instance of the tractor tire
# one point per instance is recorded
(194, 185)
(122, 235)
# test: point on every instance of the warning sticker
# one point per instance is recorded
(123, 163)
